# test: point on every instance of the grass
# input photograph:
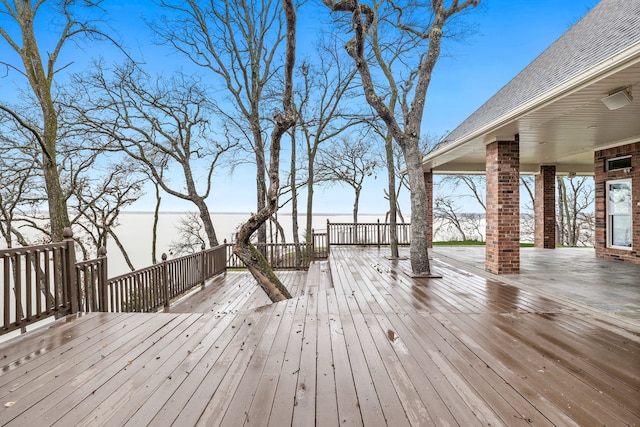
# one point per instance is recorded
(460, 243)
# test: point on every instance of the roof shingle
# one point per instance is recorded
(609, 28)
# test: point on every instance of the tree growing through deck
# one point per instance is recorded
(426, 25)
(283, 121)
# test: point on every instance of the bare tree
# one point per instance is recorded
(473, 187)
(323, 113)
(575, 198)
(283, 121)
(445, 208)
(40, 70)
(100, 196)
(385, 55)
(452, 221)
(474, 184)
(425, 25)
(350, 161)
(191, 235)
(160, 123)
(237, 41)
(20, 173)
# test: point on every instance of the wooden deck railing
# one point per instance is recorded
(154, 287)
(366, 234)
(281, 256)
(36, 283)
(45, 280)
(91, 277)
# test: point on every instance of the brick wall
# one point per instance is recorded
(545, 208)
(601, 177)
(503, 207)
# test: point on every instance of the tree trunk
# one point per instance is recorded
(261, 271)
(310, 184)
(41, 86)
(58, 214)
(205, 216)
(355, 207)
(419, 224)
(294, 199)
(156, 218)
(261, 184)
(250, 256)
(393, 201)
(56, 200)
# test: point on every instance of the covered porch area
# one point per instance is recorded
(572, 111)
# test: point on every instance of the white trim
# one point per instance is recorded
(609, 66)
(608, 217)
(614, 144)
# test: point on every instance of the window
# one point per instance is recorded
(619, 163)
(619, 225)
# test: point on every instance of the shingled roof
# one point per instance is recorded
(609, 28)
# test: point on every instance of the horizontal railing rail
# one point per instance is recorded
(366, 234)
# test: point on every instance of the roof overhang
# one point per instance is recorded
(561, 127)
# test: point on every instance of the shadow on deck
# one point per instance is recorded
(360, 343)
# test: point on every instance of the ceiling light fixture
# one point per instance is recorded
(618, 98)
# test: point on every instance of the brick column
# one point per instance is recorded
(545, 208)
(428, 184)
(503, 207)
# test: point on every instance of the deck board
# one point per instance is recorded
(361, 343)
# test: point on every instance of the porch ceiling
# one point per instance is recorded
(563, 127)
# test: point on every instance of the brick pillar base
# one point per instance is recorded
(503, 207)
(545, 208)
(428, 183)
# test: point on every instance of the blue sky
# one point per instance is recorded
(508, 35)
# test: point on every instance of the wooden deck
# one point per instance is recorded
(360, 344)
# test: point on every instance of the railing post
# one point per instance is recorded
(313, 244)
(227, 256)
(328, 237)
(71, 277)
(103, 281)
(203, 266)
(270, 261)
(165, 281)
(378, 233)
